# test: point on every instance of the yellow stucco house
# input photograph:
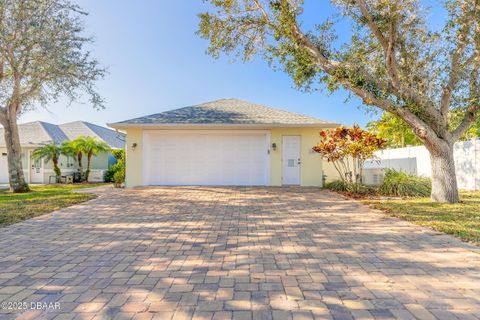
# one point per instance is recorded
(224, 142)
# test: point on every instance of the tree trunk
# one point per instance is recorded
(14, 155)
(89, 159)
(444, 180)
(80, 165)
(56, 169)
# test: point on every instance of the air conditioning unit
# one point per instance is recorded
(96, 175)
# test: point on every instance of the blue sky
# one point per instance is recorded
(157, 63)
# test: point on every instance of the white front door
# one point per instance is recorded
(291, 160)
(36, 170)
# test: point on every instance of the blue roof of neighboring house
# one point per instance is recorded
(57, 135)
(39, 133)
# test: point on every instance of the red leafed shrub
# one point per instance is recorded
(347, 149)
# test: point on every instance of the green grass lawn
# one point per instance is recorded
(15, 207)
(461, 220)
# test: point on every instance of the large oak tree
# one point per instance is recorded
(42, 57)
(393, 60)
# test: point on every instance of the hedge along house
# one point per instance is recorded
(224, 142)
(38, 133)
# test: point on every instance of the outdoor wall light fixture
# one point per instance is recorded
(134, 146)
(274, 146)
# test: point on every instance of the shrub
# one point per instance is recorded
(352, 188)
(108, 175)
(119, 175)
(119, 154)
(347, 149)
(401, 184)
(337, 185)
(116, 173)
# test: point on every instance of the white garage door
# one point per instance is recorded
(205, 158)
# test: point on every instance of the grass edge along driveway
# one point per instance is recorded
(461, 220)
(16, 207)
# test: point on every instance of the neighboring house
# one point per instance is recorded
(224, 142)
(416, 160)
(36, 134)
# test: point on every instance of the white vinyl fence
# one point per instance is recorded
(416, 160)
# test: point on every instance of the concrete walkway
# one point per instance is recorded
(232, 253)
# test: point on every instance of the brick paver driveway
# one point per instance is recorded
(242, 253)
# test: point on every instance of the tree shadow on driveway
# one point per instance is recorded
(236, 252)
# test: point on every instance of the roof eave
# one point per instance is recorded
(220, 125)
(28, 145)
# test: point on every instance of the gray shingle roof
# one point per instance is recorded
(226, 111)
(86, 129)
(113, 138)
(36, 133)
(39, 133)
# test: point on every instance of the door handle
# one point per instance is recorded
(299, 162)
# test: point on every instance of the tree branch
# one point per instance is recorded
(376, 31)
(327, 65)
(420, 128)
(391, 62)
(3, 116)
(262, 9)
(470, 116)
(2, 67)
(389, 45)
(455, 65)
(452, 79)
(14, 103)
(472, 112)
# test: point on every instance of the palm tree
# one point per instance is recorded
(84, 146)
(92, 147)
(74, 148)
(68, 150)
(87, 146)
(48, 152)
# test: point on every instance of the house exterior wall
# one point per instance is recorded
(310, 169)
(4, 163)
(311, 162)
(133, 158)
(67, 165)
(98, 162)
(329, 171)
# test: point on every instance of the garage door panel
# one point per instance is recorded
(205, 159)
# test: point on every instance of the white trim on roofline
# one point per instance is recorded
(219, 125)
(29, 145)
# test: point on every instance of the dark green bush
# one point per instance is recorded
(401, 184)
(119, 175)
(108, 175)
(116, 173)
(337, 185)
(343, 186)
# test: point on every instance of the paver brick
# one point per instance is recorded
(234, 253)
